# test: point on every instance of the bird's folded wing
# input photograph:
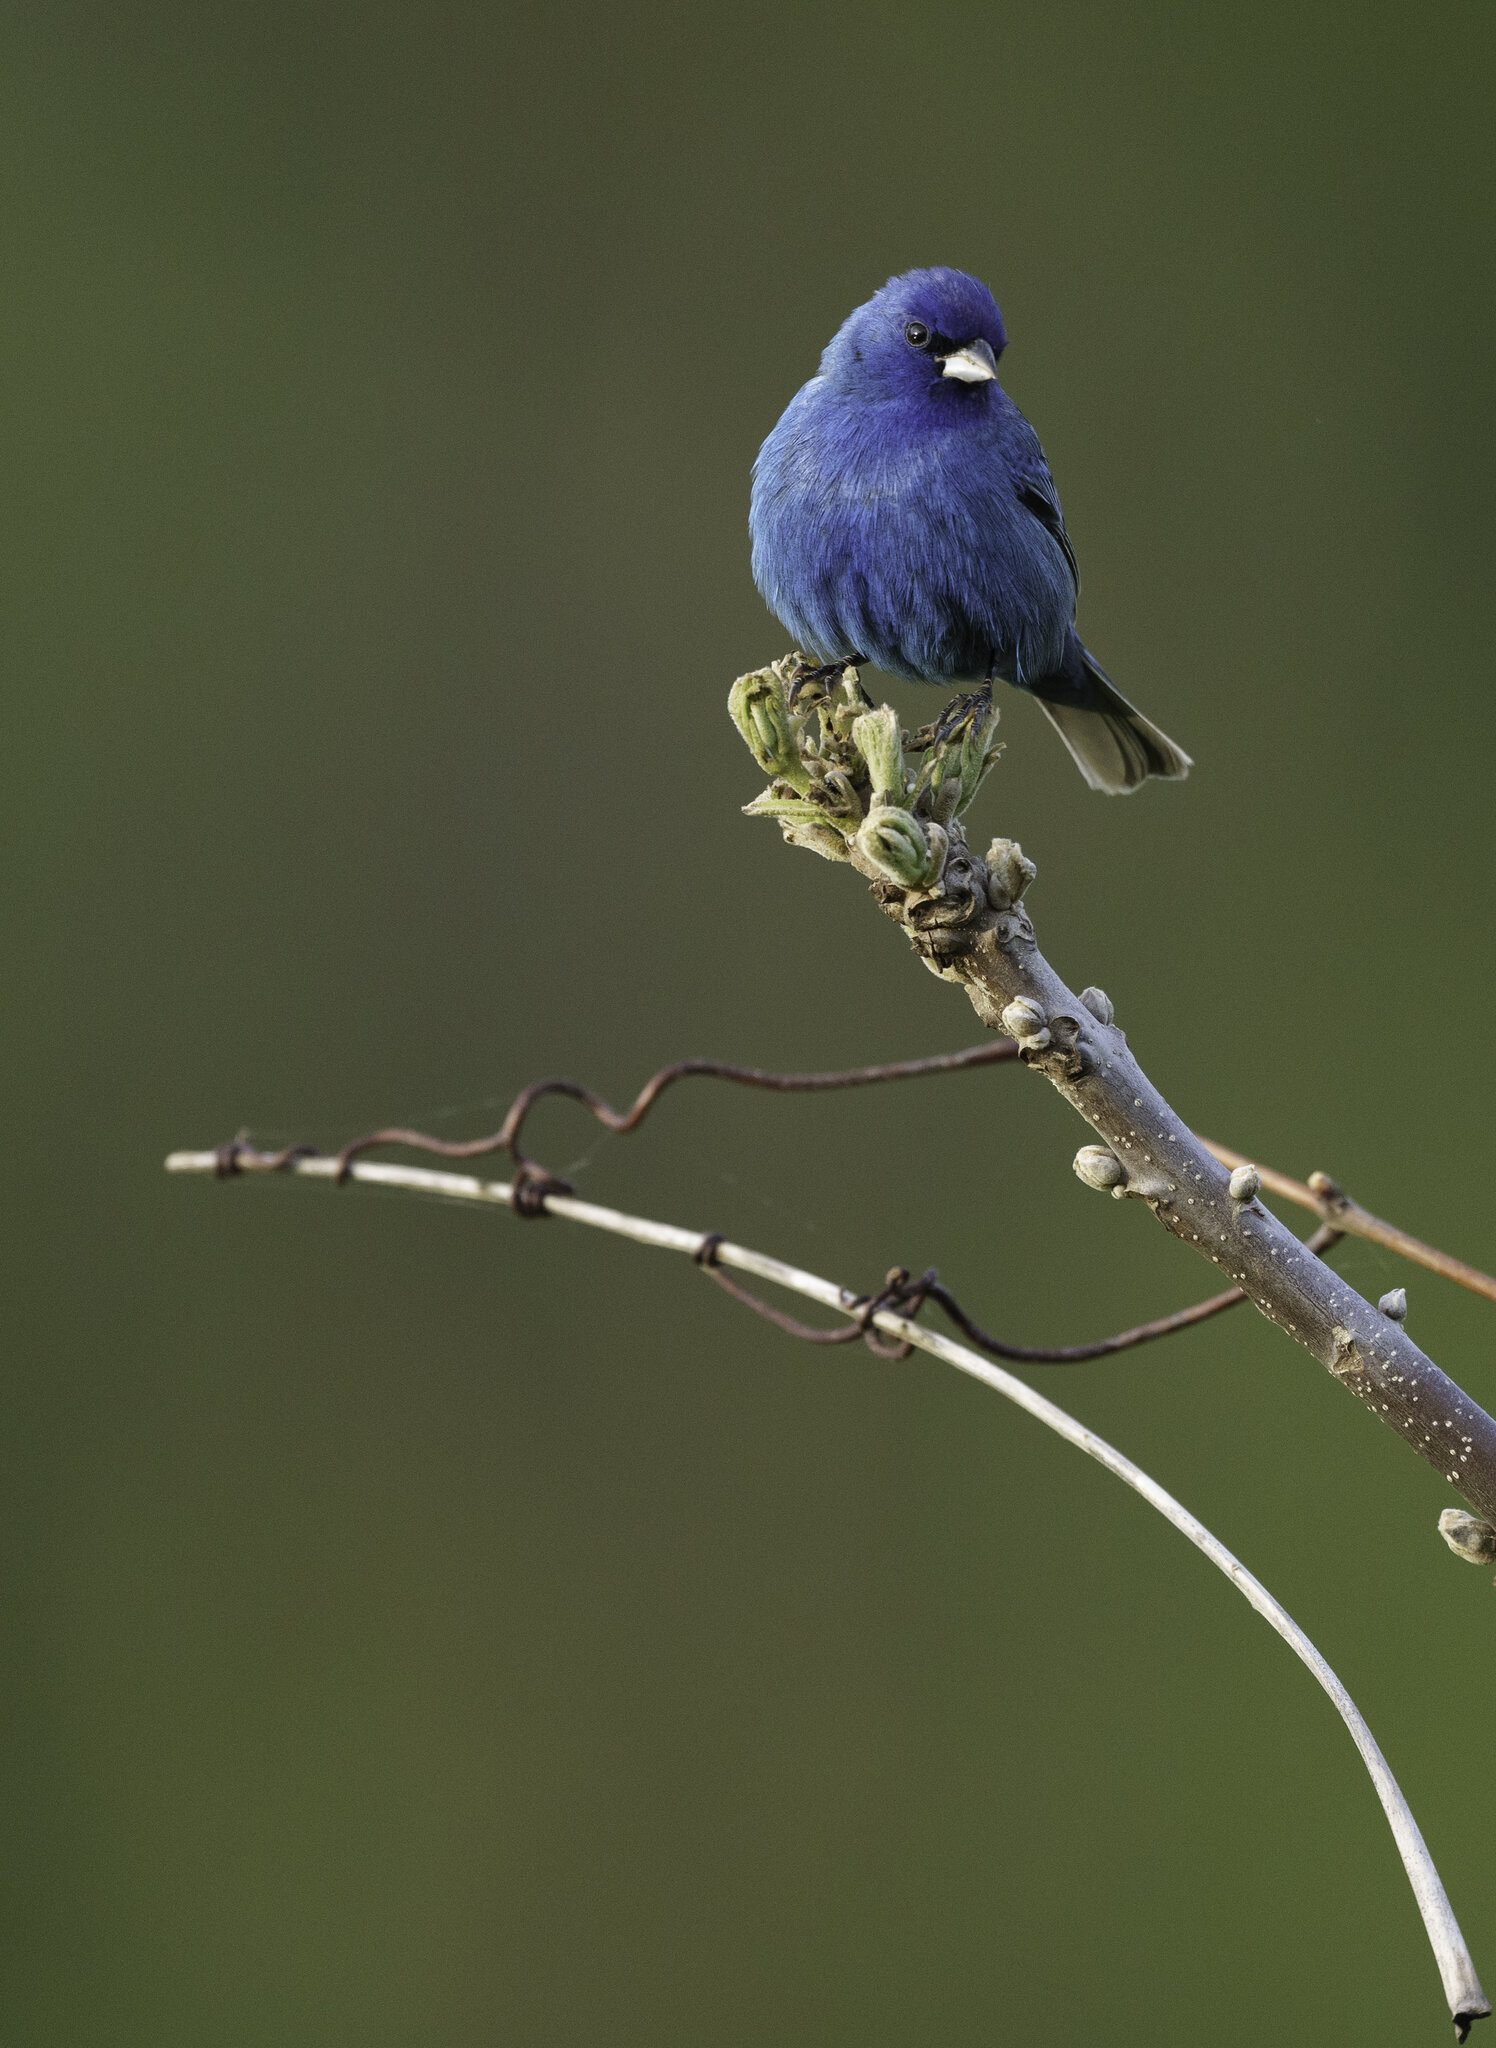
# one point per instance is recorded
(1036, 492)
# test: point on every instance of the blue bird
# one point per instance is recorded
(903, 514)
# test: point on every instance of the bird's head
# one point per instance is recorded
(928, 333)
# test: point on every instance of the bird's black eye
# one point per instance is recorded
(916, 333)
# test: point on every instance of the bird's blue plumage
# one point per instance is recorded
(903, 514)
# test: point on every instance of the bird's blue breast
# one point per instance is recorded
(898, 535)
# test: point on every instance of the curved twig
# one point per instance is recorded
(621, 1121)
(1467, 2001)
(1321, 1241)
(1320, 1195)
(532, 1184)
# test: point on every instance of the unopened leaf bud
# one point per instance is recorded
(789, 810)
(1468, 1536)
(822, 839)
(877, 738)
(1099, 1167)
(1024, 1020)
(759, 710)
(1099, 1003)
(945, 791)
(1245, 1184)
(1394, 1304)
(939, 841)
(835, 791)
(1009, 872)
(894, 841)
(978, 750)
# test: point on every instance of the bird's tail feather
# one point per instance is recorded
(1114, 746)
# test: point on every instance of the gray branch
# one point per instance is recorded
(847, 784)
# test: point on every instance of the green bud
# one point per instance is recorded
(836, 793)
(944, 796)
(822, 839)
(788, 809)
(1245, 1184)
(876, 736)
(895, 842)
(978, 750)
(760, 711)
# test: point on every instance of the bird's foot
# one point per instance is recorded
(969, 708)
(812, 684)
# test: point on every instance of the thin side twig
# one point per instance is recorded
(1326, 1198)
(621, 1121)
(1467, 2001)
(1319, 1242)
(534, 1182)
(1320, 1195)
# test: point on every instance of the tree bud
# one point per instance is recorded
(1009, 872)
(894, 841)
(789, 810)
(822, 839)
(1245, 1184)
(944, 791)
(979, 749)
(1025, 1021)
(1394, 1304)
(1099, 1167)
(1099, 1003)
(1468, 1536)
(877, 738)
(836, 793)
(939, 841)
(761, 714)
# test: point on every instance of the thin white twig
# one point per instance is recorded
(1467, 2002)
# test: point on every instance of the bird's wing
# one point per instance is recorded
(1036, 492)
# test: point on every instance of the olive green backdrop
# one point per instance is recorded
(433, 1629)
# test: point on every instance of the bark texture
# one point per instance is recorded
(995, 956)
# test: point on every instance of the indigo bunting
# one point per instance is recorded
(903, 514)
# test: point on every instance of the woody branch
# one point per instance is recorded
(848, 784)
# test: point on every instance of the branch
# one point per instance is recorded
(1319, 1194)
(533, 1183)
(843, 786)
(622, 1121)
(1467, 2002)
(1329, 1200)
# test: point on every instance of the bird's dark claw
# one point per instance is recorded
(812, 684)
(962, 712)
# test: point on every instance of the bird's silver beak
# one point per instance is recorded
(974, 364)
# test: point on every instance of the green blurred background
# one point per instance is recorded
(432, 1629)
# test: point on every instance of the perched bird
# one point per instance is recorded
(903, 514)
